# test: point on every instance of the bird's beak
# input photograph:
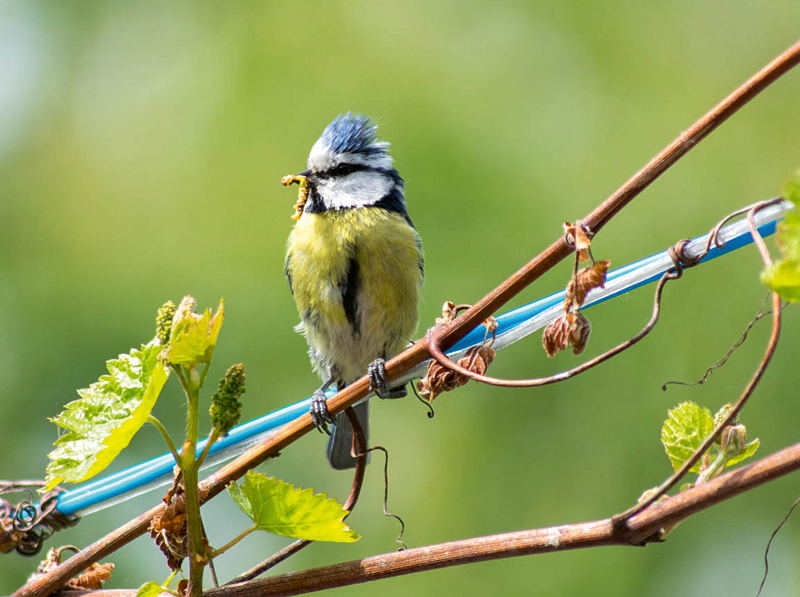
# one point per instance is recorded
(305, 173)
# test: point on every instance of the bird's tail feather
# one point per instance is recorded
(341, 440)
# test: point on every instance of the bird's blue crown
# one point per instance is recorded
(353, 133)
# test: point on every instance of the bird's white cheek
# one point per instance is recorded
(357, 190)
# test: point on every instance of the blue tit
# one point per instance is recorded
(355, 267)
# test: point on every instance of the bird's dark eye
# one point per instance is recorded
(342, 170)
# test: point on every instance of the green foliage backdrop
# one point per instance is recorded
(141, 148)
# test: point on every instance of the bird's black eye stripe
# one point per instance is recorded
(345, 169)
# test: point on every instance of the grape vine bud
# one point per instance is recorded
(733, 440)
(164, 322)
(226, 409)
(194, 335)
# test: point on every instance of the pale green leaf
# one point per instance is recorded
(102, 422)
(193, 335)
(749, 449)
(280, 508)
(686, 427)
(784, 278)
(791, 189)
(788, 239)
(150, 589)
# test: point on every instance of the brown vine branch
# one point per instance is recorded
(642, 528)
(772, 343)
(434, 339)
(473, 317)
(681, 261)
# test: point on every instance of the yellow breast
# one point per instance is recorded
(320, 254)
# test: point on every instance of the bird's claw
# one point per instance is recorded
(378, 384)
(319, 412)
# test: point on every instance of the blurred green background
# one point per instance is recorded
(141, 148)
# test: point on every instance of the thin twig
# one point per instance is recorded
(772, 343)
(769, 544)
(721, 362)
(462, 325)
(386, 495)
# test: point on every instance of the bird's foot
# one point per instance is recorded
(377, 381)
(319, 412)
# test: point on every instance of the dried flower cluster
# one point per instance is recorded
(477, 359)
(164, 322)
(580, 238)
(226, 409)
(572, 328)
(440, 379)
(169, 528)
(92, 577)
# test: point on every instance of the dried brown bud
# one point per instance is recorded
(424, 388)
(570, 329)
(92, 578)
(477, 359)
(448, 313)
(579, 331)
(554, 338)
(440, 379)
(580, 238)
(592, 276)
(491, 325)
(169, 528)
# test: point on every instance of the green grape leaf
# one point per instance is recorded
(791, 189)
(280, 508)
(193, 335)
(686, 427)
(150, 589)
(789, 235)
(749, 449)
(784, 276)
(109, 412)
